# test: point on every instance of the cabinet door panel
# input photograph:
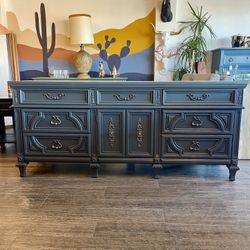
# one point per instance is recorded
(140, 130)
(111, 136)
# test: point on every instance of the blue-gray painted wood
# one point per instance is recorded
(128, 122)
(222, 58)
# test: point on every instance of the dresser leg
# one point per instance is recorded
(22, 168)
(157, 169)
(3, 148)
(94, 169)
(233, 168)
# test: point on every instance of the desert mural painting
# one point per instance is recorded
(123, 36)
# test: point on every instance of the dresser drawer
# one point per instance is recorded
(120, 97)
(56, 120)
(199, 97)
(198, 146)
(56, 145)
(236, 59)
(47, 96)
(198, 122)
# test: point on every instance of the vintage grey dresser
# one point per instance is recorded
(128, 122)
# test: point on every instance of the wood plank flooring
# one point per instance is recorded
(58, 206)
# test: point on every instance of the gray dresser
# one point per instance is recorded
(128, 122)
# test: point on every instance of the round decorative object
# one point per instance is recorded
(83, 63)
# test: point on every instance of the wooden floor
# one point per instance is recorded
(60, 207)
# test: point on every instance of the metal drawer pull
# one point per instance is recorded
(195, 146)
(201, 98)
(196, 122)
(55, 121)
(55, 98)
(120, 98)
(230, 59)
(111, 133)
(56, 145)
(139, 133)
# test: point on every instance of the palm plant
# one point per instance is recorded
(193, 49)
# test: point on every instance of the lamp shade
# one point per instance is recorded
(80, 29)
(3, 30)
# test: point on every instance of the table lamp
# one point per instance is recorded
(81, 33)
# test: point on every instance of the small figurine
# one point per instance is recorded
(114, 72)
(101, 69)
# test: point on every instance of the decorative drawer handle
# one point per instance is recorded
(196, 122)
(55, 121)
(55, 98)
(111, 133)
(201, 98)
(56, 145)
(230, 59)
(139, 133)
(128, 98)
(195, 146)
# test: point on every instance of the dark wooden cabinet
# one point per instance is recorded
(128, 122)
(6, 109)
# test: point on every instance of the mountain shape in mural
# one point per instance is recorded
(141, 49)
(140, 32)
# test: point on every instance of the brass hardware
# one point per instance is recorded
(56, 144)
(195, 146)
(196, 122)
(139, 133)
(111, 133)
(201, 98)
(55, 121)
(55, 98)
(92, 97)
(120, 98)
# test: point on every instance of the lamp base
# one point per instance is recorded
(83, 75)
(83, 62)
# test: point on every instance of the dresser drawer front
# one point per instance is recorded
(196, 146)
(198, 122)
(57, 145)
(56, 120)
(199, 97)
(236, 59)
(47, 96)
(126, 97)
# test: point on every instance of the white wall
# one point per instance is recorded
(4, 64)
(228, 17)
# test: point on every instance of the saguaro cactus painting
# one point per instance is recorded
(42, 37)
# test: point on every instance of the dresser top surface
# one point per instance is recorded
(129, 84)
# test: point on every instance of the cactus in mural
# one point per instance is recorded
(42, 37)
(113, 60)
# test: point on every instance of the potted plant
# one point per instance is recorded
(193, 49)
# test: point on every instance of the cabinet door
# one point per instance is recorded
(140, 128)
(111, 133)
